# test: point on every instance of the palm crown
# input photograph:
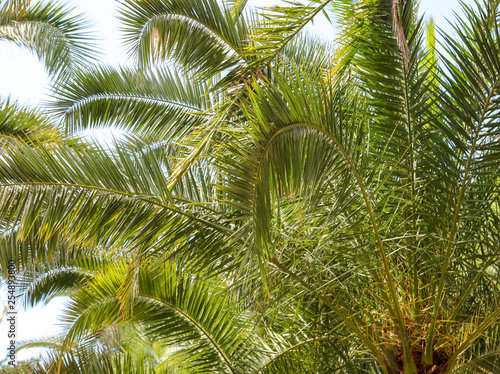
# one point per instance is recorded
(272, 204)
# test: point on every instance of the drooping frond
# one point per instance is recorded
(85, 194)
(202, 36)
(172, 307)
(61, 41)
(156, 104)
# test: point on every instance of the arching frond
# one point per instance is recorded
(158, 30)
(61, 41)
(48, 186)
(157, 104)
(174, 308)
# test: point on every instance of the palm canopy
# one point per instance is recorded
(276, 205)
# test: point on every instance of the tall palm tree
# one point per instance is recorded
(276, 205)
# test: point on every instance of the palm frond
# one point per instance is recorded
(157, 30)
(24, 123)
(83, 194)
(174, 309)
(158, 104)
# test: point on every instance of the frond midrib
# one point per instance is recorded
(149, 200)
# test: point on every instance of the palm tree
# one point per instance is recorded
(277, 204)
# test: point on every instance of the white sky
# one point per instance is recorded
(22, 78)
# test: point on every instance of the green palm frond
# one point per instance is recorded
(196, 317)
(470, 110)
(58, 277)
(121, 350)
(44, 269)
(24, 123)
(159, 30)
(281, 24)
(48, 186)
(309, 50)
(280, 116)
(61, 41)
(158, 104)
